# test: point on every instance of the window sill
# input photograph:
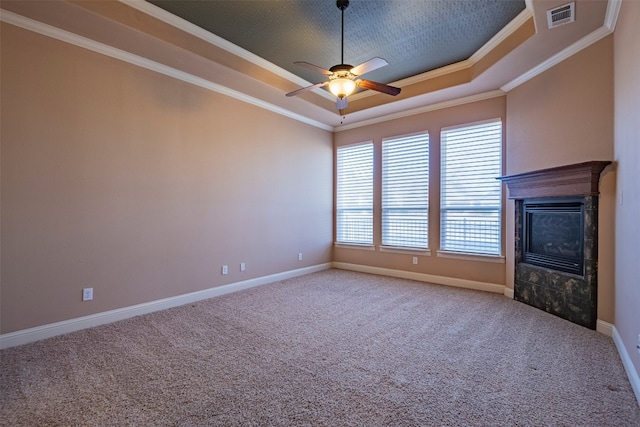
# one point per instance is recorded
(362, 247)
(472, 257)
(401, 250)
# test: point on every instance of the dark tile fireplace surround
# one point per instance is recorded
(556, 239)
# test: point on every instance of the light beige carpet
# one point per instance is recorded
(334, 348)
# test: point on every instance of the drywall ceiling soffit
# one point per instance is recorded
(185, 50)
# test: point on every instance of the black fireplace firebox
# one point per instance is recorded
(553, 234)
(556, 239)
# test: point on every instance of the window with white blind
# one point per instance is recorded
(470, 193)
(405, 191)
(354, 194)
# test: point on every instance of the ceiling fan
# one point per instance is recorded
(344, 78)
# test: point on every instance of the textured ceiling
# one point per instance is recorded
(414, 36)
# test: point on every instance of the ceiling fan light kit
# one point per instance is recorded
(343, 78)
(342, 87)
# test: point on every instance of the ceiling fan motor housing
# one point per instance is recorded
(342, 70)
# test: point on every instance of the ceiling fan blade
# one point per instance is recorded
(314, 68)
(370, 65)
(342, 103)
(317, 85)
(379, 87)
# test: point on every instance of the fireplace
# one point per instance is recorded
(553, 234)
(556, 240)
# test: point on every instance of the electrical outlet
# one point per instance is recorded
(415, 259)
(225, 269)
(243, 267)
(300, 256)
(87, 294)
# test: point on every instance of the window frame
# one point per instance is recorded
(495, 249)
(355, 206)
(398, 181)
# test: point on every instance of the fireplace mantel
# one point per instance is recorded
(568, 293)
(581, 179)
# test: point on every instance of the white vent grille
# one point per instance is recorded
(561, 15)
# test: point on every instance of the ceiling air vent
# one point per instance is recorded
(561, 15)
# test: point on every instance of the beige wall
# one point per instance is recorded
(627, 156)
(142, 186)
(474, 270)
(565, 116)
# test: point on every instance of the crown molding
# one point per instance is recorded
(502, 35)
(442, 71)
(529, 6)
(487, 48)
(584, 42)
(611, 17)
(110, 51)
(424, 109)
(613, 9)
(189, 28)
(182, 24)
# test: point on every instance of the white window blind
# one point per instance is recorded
(354, 194)
(405, 191)
(470, 193)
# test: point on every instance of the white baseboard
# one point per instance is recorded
(604, 327)
(423, 277)
(632, 374)
(37, 333)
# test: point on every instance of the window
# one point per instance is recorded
(470, 194)
(405, 191)
(354, 194)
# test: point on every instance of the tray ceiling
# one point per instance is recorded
(414, 36)
(440, 52)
